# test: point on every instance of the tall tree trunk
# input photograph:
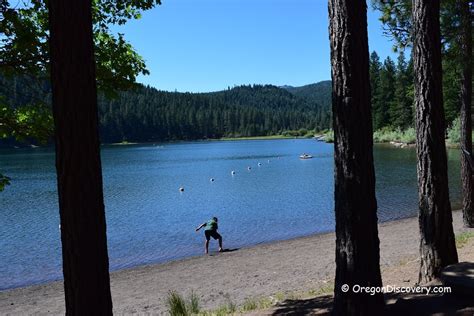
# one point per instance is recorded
(466, 120)
(437, 246)
(357, 242)
(79, 173)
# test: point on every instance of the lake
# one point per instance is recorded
(149, 220)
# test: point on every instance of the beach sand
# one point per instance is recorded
(297, 265)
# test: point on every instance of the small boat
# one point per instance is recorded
(306, 156)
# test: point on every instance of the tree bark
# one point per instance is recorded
(437, 246)
(466, 120)
(357, 242)
(79, 173)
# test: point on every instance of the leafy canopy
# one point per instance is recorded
(24, 51)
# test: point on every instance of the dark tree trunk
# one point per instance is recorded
(79, 173)
(466, 120)
(437, 246)
(357, 242)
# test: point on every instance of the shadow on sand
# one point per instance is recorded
(320, 305)
(230, 249)
(396, 304)
(215, 253)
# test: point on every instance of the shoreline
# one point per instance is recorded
(298, 264)
(317, 137)
(185, 258)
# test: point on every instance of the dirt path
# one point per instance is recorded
(301, 264)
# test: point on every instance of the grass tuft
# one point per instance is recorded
(250, 304)
(176, 304)
(193, 304)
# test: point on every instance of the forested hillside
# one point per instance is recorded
(318, 93)
(147, 114)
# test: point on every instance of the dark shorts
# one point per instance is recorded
(211, 233)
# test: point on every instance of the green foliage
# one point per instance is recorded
(227, 309)
(454, 132)
(378, 113)
(401, 111)
(329, 136)
(24, 51)
(4, 181)
(319, 94)
(388, 134)
(463, 238)
(387, 89)
(24, 47)
(302, 132)
(146, 114)
(26, 122)
(397, 19)
(250, 304)
(176, 304)
(193, 304)
(451, 86)
(390, 92)
(24, 44)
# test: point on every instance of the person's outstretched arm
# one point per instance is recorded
(201, 226)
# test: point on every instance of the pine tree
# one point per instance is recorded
(387, 82)
(79, 172)
(402, 115)
(376, 91)
(437, 245)
(357, 242)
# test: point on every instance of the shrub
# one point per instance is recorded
(408, 136)
(388, 134)
(329, 136)
(454, 132)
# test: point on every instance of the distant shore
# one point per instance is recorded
(400, 139)
(269, 271)
(260, 138)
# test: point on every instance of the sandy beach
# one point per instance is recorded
(301, 264)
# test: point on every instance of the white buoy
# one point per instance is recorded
(259, 164)
(232, 172)
(268, 161)
(211, 179)
(181, 189)
(248, 168)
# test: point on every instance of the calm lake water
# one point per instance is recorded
(149, 220)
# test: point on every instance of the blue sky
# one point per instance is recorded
(209, 45)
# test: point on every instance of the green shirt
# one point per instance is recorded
(211, 225)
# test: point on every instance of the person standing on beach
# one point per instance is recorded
(211, 231)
